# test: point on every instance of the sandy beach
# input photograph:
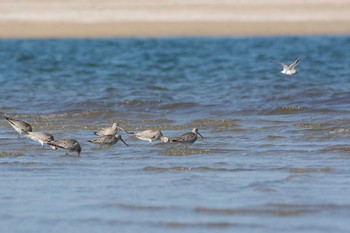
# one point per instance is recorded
(105, 18)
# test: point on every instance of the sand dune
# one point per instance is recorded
(80, 18)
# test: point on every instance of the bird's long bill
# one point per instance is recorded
(122, 129)
(123, 141)
(200, 135)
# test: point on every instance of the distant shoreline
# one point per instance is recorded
(14, 29)
(151, 18)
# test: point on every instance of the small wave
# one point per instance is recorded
(194, 151)
(343, 122)
(278, 211)
(315, 208)
(310, 125)
(16, 163)
(133, 103)
(220, 125)
(196, 225)
(25, 57)
(264, 189)
(6, 108)
(274, 137)
(340, 131)
(8, 154)
(180, 168)
(180, 105)
(311, 170)
(157, 88)
(336, 149)
(275, 209)
(286, 110)
(141, 207)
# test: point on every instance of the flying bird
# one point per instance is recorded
(288, 70)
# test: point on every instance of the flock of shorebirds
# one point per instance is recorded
(105, 137)
(110, 136)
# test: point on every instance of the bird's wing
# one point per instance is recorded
(55, 144)
(149, 134)
(184, 137)
(284, 66)
(294, 64)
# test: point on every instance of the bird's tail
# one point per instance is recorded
(52, 145)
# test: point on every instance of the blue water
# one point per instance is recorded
(275, 157)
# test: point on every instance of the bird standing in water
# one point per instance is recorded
(107, 140)
(19, 126)
(113, 130)
(68, 145)
(41, 137)
(150, 135)
(187, 138)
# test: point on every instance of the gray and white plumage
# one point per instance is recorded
(150, 135)
(189, 137)
(68, 145)
(41, 137)
(113, 130)
(19, 126)
(288, 69)
(107, 140)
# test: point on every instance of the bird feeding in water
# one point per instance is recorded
(19, 126)
(41, 137)
(187, 138)
(113, 130)
(68, 145)
(150, 135)
(107, 140)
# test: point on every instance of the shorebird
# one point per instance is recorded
(110, 130)
(68, 145)
(150, 135)
(19, 126)
(187, 138)
(107, 140)
(41, 137)
(288, 70)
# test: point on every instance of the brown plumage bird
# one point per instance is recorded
(113, 130)
(107, 140)
(19, 126)
(187, 138)
(41, 137)
(68, 145)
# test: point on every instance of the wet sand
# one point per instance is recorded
(95, 18)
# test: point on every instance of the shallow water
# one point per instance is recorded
(275, 157)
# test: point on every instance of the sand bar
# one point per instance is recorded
(104, 18)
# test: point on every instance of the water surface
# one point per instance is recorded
(276, 152)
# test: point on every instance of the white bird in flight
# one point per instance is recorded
(288, 70)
